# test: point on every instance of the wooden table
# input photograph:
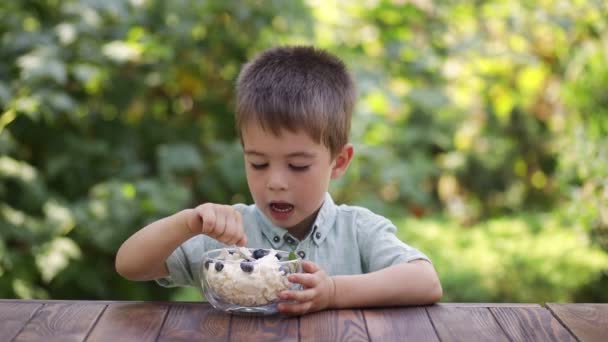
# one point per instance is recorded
(33, 320)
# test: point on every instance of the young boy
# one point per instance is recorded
(294, 107)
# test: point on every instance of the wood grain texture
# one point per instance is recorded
(129, 322)
(44, 320)
(486, 305)
(334, 325)
(454, 323)
(14, 316)
(589, 322)
(531, 324)
(61, 322)
(195, 322)
(275, 328)
(399, 324)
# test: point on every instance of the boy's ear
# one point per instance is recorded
(342, 161)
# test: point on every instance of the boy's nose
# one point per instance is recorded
(277, 181)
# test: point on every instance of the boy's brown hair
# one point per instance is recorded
(297, 88)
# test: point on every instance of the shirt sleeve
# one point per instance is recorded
(183, 264)
(379, 245)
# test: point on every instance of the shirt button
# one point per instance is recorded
(302, 254)
(318, 235)
(276, 239)
(290, 240)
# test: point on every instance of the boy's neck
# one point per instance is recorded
(301, 230)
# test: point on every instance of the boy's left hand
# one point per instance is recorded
(318, 293)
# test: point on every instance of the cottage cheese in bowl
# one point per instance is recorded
(247, 280)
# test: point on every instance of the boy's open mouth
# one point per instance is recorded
(281, 207)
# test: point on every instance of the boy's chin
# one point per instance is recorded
(283, 224)
(289, 224)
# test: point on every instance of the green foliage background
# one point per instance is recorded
(481, 129)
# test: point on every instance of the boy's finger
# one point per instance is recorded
(229, 235)
(221, 226)
(208, 216)
(307, 280)
(299, 296)
(242, 242)
(310, 267)
(231, 232)
(238, 222)
(234, 229)
(238, 238)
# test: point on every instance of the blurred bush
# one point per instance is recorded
(480, 114)
(114, 113)
(528, 258)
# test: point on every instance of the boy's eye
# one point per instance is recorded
(259, 166)
(298, 168)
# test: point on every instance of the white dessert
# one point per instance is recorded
(240, 278)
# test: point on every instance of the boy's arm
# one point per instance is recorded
(143, 255)
(413, 283)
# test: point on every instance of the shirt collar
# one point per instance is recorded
(325, 220)
(320, 228)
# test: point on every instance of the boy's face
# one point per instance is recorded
(289, 174)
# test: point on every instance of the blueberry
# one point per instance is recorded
(247, 266)
(207, 262)
(259, 253)
(285, 269)
(219, 266)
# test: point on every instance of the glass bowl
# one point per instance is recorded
(247, 280)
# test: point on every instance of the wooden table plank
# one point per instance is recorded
(589, 322)
(22, 320)
(399, 324)
(61, 322)
(274, 328)
(453, 323)
(531, 324)
(487, 305)
(334, 325)
(129, 322)
(14, 316)
(195, 322)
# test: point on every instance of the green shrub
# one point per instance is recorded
(528, 258)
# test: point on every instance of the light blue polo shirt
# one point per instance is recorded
(344, 240)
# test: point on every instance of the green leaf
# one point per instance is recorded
(292, 256)
(55, 256)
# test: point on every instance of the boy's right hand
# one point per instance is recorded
(221, 222)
